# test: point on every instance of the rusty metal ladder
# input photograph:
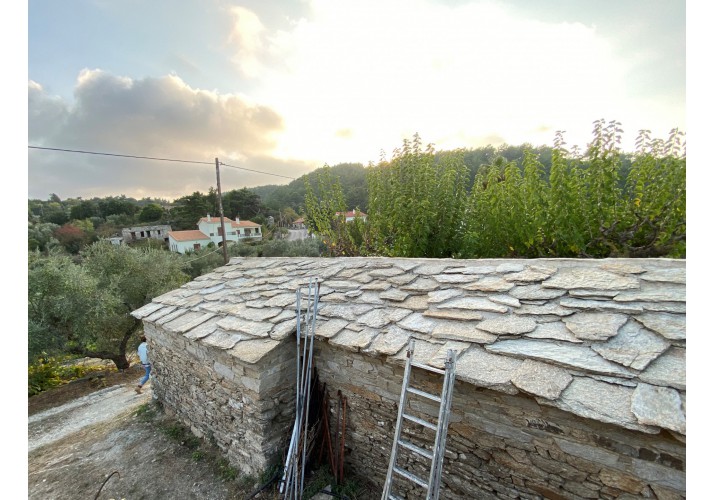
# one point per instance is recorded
(436, 455)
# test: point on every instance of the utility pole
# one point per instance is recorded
(220, 209)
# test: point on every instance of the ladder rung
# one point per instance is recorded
(411, 477)
(424, 394)
(395, 497)
(419, 421)
(415, 448)
(428, 367)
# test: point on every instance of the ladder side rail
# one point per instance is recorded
(287, 469)
(299, 469)
(314, 287)
(398, 425)
(442, 425)
(301, 409)
(297, 349)
(305, 390)
(437, 482)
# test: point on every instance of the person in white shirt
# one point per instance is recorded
(144, 359)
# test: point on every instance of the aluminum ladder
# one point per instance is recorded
(436, 455)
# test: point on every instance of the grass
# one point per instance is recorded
(207, 450)
(224, 469)
(146, 412)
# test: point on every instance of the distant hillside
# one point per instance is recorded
(352, 179)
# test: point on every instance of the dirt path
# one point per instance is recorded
(100, 407)
(74, 447)
(98, 429)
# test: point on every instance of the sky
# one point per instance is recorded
(284, 87)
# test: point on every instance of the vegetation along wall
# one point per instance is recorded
(570, 372)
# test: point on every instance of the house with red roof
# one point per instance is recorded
(352, 214)
(210, 230)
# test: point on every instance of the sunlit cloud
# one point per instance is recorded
(157, 117)
(457, 75)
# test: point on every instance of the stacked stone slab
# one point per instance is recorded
(571, 373)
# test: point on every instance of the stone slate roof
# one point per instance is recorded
(602, 339)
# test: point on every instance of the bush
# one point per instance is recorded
(43, 374)
(301, 248)
(47, 372)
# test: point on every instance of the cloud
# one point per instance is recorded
(246, 36)
(46, 113)
(158, 117)
(164, 114)
(451, 73)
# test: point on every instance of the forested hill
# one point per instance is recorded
(352, 178)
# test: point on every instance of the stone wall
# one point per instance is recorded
(570, 373)
(247, 408)
(498, 445)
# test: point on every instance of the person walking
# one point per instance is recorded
(144, 359)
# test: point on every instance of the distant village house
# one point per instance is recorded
(352, 214)
(210, 231)
(138, 233)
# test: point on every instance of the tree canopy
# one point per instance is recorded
(84, 308)
(599, 203)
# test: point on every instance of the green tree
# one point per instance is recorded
(287, 216)
(40, 236)
(55, 213)
(325, 214)
(189, 209)
(134, 277)
(602, 203)
(151, 213)
(66, 307)
(241, 203)
(567, 216)
(417, 202)
(84, 309)
(84, 210)
(117, 205)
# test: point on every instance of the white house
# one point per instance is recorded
(187, 241)
(210, 230)
(352, 214)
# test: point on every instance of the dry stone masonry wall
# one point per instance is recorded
(571, 373)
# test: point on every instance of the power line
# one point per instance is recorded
(157, 159)
(120, 155)
(260, 172)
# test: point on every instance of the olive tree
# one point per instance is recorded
(85, 308)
